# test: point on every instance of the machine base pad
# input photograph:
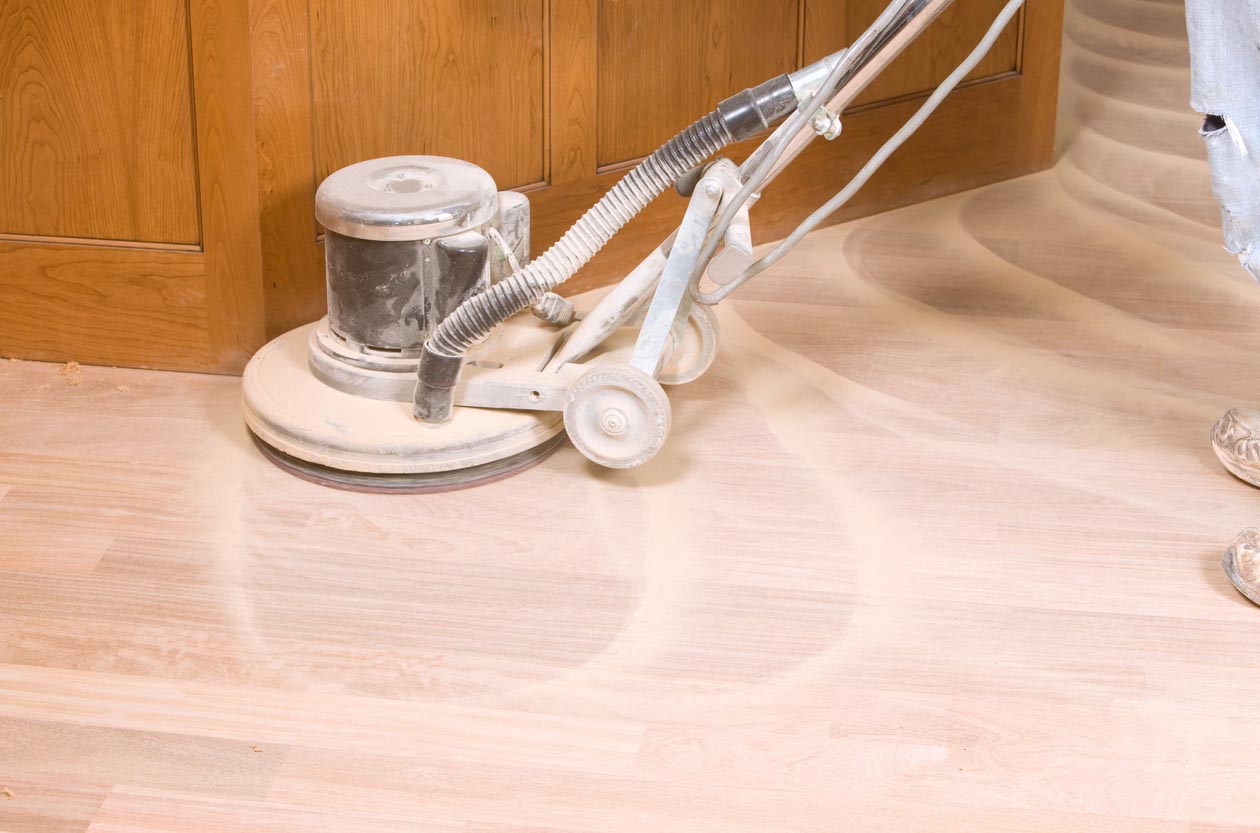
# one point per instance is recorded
(353, 442)
(409, 484)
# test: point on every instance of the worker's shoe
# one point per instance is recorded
(1242, 563)
(1236, 441)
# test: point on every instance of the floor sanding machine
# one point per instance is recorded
(447, 358)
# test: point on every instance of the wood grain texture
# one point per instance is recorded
(461, 79)
(153, 760)
(292, 263)
(665, 63)
(190, 307)
(932, 548)
(150, 811)
(573, 50)
(962, 146)
(42, 804)
(96, 121)
(680, 64)
(327, 84)
(228, 168)
(937, 52)
(822, 26)
(103, 305)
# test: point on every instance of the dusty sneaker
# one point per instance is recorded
(1236, 441)
(1242, 563)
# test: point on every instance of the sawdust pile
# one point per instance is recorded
(72, 373)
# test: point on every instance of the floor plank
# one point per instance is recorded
(933, 547)
(186, 762)
(32, 803)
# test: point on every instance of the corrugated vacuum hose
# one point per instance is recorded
(444, 353)
(822, 91)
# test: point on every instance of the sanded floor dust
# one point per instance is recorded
(933, 548)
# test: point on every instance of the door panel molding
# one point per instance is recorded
(184, 306)
(137, 245)
(664, 63)
(97, 122)
(104, 306)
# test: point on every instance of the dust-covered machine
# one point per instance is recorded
(447, 359)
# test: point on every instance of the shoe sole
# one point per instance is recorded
(1231, 571)
(1243, 473)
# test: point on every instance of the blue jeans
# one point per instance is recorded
(1225, 87)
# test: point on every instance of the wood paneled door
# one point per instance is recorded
(161, 156)
(128, 189)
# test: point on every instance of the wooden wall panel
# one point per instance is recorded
(664, 63)
(293, 265)
(228, 171)
(100, 305)
(96, 121)
(196, 132)
(620, 77)
(450, 77)
(194, 306)
(573, 50)
(962, 146)
(830, 26)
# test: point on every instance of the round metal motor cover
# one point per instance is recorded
(406, 198)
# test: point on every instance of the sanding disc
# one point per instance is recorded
(353, 442)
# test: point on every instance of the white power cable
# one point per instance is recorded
(505, 248)
(881, 156)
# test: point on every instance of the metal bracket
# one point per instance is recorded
(512, 389)
(626, 305)
(827, 124)
(672, 300)
(736, 253)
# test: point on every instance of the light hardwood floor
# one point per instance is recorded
(933, 548)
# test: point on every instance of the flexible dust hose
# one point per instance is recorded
(444, 352)
(868, 170)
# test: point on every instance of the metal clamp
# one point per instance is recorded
(827, 124)
(736, 253)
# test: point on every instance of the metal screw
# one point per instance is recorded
(613, 422)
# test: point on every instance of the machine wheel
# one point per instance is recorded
(694, 354)
(617, 416)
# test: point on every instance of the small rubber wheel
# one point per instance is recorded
(694, 354)
(617, 416)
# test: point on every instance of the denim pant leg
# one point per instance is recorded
(1225, 87)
